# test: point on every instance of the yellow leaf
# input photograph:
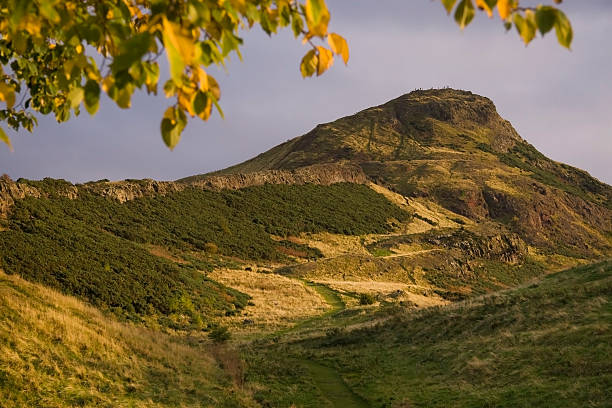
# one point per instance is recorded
(504, 8)
(339, 46)
(185, 102)
(309, 63)
(317, 17)
(180, 48)
(7, 94)
(4, 138)
(202, 79)
(482, 4)
(108, 83)
(214, 88)
(326, 60)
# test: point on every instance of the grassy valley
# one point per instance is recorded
(415, 254)
(544, 344)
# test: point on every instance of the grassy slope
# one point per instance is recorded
(95, 248)
(56, 351)
(547, 344)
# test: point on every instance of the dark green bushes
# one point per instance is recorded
(91, 247)
(366, 299)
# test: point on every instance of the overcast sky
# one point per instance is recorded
(559, 101)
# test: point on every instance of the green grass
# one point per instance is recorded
(558, 175)
(332, 387)
(547, 344)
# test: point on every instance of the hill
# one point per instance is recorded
(546, 344)
(452, 147)
(56, 351)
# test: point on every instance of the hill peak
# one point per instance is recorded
(413, 126)
(452, 147)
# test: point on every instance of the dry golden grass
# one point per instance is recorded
(56, 351)
(335, 244)
(278, 301)
(388, 291)
(443, 217)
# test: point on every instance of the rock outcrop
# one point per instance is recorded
(324, 174)
(127, 190)
(11, 191)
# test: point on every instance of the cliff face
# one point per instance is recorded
(324, 174)
(11, 191)
(123, 191)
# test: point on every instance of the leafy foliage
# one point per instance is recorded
(220, 334)
(526, 20)
(366, 299)
(56, 56)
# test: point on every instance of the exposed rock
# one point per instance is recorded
(11, 191)
(127, 190)
(123, 191)
(324, 174)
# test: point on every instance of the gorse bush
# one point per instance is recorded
(366, 299)
(220, 334)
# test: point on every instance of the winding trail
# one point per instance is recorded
(326, 379)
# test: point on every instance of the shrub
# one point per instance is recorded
(211, 248)
(366, 299)
(220, 334)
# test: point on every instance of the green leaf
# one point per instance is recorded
(448, 5)
(75, 96)
(563, 29)
(465, 13)
(132, 51)
(229, 42)
(309, 64)
(172, 126)
(92, 96)
(546, 16)
(297, 25)
(5, 138)
(526, 26)
(199, 102)
(124, 97)
(48, 11)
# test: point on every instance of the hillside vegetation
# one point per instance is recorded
(404, 256)
(56, 351)
(97, 248)
(547, 344)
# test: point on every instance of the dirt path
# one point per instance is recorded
(333, 387)
(424, 251)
